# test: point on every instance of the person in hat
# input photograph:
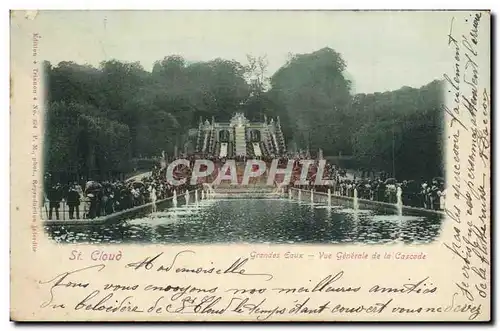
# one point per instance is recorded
(55, 196)
(73, 200)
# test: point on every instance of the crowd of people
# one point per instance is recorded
(99, 198)
(375, 186)
(418, 194)
(428, 194)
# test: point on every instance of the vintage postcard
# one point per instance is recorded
(250, 166)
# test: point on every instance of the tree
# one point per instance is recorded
(402, 129)
(99, 118)
(313, 95)
(92, 109)
(259, 102)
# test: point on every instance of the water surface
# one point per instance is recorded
(257, 221)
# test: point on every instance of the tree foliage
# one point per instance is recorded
(313, 95)
(100, 118)
(400, 132)
(403, 126)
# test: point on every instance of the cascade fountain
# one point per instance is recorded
(278, 189)
(153, 197)
(329, 198)
(299, 197)
(399, 202)
(174, 199)
(196, 196)
(210, 190)
(187, 197)
(312, 197)
(290, 194)
(355, 200)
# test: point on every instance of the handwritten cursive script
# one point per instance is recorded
(152, 263)
(63, 280)
(468, 207)
(81, 291)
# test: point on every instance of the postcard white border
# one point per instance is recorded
(129, 4)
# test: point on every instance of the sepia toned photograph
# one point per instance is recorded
(114, 124)
(250, 165)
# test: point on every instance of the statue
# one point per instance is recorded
(238, 120)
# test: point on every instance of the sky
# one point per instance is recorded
(383, 50)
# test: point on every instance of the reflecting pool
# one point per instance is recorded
(253, 220)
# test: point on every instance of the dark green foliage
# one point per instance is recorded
(98, 119)
(412, 119)
(312, 96)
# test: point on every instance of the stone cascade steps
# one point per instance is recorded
(240, 141)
